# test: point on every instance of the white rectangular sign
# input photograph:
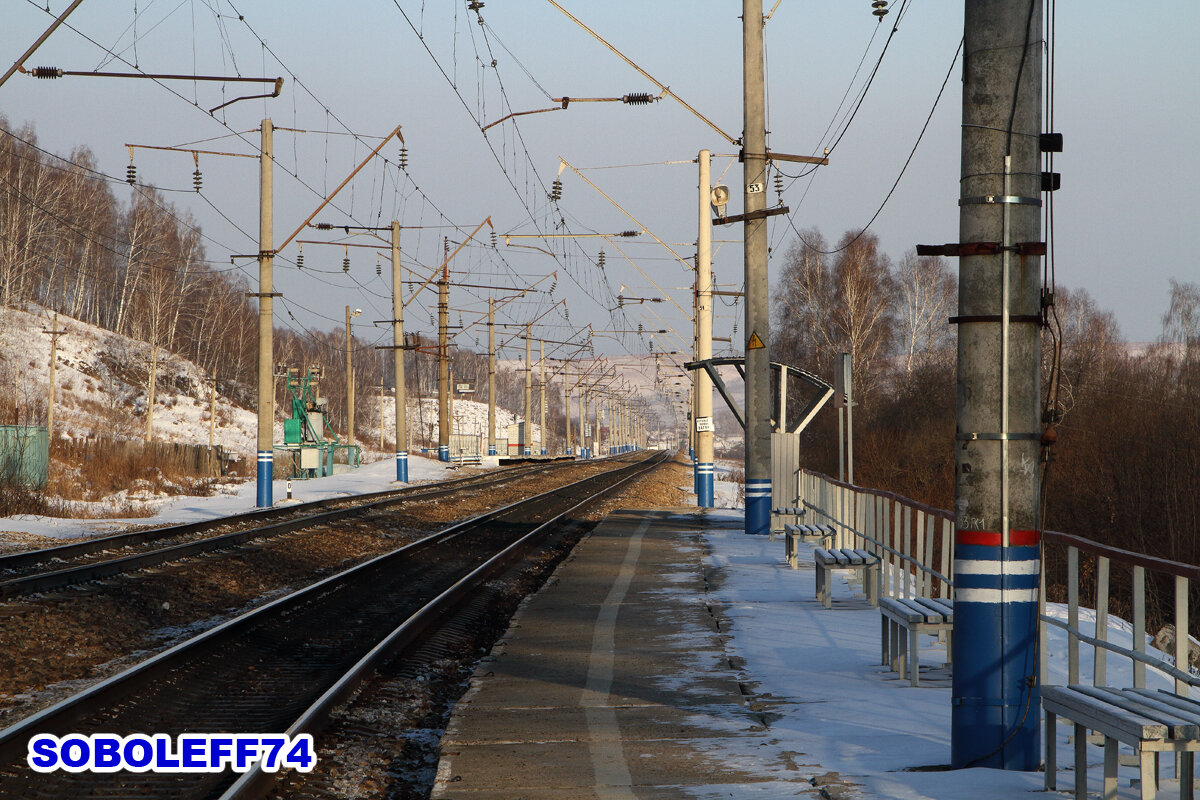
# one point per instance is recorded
(704, 424)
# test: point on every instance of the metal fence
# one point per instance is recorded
(915, 545)
(24, 456)
(914, 542)
(1146, 588)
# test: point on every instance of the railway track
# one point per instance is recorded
(284, 666)
(46, 569)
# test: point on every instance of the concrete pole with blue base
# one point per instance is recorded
(995, 700)
(444, 357)
(265, 466)
(758, 304)
(702, 422)
(491, 377)
(398, 359)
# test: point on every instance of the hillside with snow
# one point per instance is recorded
(100, 385)
(100, 391)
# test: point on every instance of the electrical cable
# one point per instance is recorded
(896, 183)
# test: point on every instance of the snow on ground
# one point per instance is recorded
(238, 499)
(842, 710)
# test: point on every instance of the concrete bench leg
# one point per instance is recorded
(914, 658)
(1110, 768)
(1080, 762)
(1148, 771)
(885, 626)
(1051, 753)
(820, 581)
(1186, 775)
(871, 584)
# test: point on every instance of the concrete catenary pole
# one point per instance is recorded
(702, 384)
(444, 358)
(398, 359)
(567, 402)
(758, 316)
(526, 448)
(995, 698)
(349, 384)
(583, 420)
(492, 377)
(266, 315)
(542, 405)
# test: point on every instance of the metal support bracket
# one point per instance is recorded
(807, 413)
(1001, 199)
(960, 249)
(751, 216)
(998, 437)
(965, 318)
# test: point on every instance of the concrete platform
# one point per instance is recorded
(613, 682)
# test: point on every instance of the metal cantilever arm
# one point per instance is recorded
(810, 410)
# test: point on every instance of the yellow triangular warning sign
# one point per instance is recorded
(755, 343)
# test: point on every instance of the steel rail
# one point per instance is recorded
(13, 561)
(96, 570)
(62, 717)
(257, 784)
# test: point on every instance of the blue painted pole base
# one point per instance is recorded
(402, 466)
(491, 449)
(758, 506)
(704, 484)
(994, 697)
(444, 452)
(265, 478)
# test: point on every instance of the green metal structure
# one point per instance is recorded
(308, 443)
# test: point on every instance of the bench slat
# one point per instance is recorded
(899, 611)
(1071, 703)
(935, 612)
(1188, 707)
(1179, 726)
(867, 556)
(943, 607)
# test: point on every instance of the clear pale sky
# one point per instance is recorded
(1127, 102)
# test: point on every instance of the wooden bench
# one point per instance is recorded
(1151, 722)
(844, 558)
(794, 534)
(916, 616)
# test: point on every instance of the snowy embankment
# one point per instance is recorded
(237, 499)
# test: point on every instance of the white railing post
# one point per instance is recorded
(905, 513)
(922, 576)
(1072, 615)
(1182, 639)
(1139, 625)
(1100, 662)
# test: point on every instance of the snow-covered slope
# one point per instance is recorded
(100, 384)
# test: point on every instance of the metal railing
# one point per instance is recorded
(914, 542)
(1168, 586)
